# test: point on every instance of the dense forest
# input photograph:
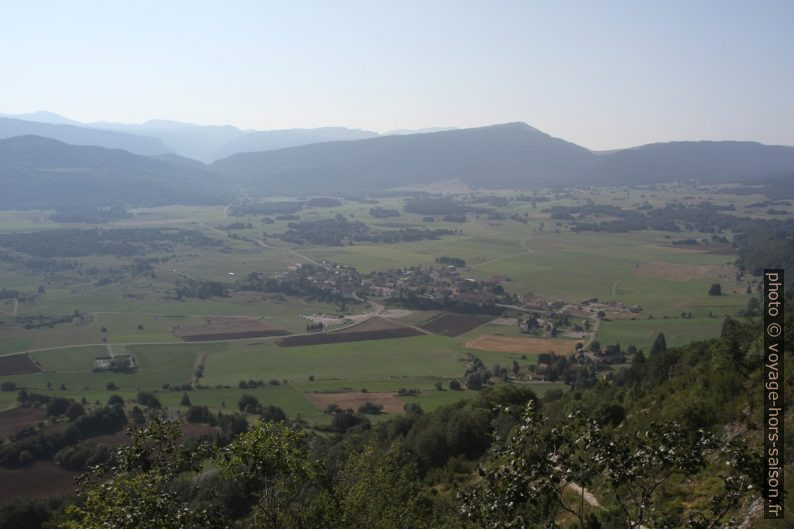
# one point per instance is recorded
(673, 441)
(119, 242)
(339, 231)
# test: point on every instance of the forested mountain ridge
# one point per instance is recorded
(270, 140)
(508, 155)
(512, 156)
(37, 172)
(709, 162)
(201, 142)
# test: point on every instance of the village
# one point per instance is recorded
(448, 287)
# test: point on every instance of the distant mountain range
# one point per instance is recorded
(268, 140)
(512, 155)
(79, 135)
(201, 142)
(38, 172)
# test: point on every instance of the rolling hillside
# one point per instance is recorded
(706, 161)
(38, 172)
(512, 154)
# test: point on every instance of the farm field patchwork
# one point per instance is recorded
(233, 338)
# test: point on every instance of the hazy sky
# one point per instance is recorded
(604, 74)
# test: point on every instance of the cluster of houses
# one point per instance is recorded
(120, 363)
(437, 284)
(335, 279)
(440, 284)
(614, 308)
(447, 284)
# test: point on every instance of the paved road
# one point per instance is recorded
(376, 310)
(293, 252)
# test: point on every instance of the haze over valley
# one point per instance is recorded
(375, 265)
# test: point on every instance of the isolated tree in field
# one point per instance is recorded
(659, 344)
(74, 411)
(185, 400)
(715, 290)
(57, 406)
(248, 403)
(272, 413)
(371, 408)
(148, 400)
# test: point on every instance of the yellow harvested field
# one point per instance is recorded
(521, 344)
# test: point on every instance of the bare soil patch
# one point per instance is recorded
(14, 420)
(42, 479)
(455, 324)
(676, 271)
(391, 403)
(229, 328)
(529, 345)
(20, 364)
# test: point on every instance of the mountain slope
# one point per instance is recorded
(209, 143)
(43, 116)
(268, 140)
(705, 161)
(78, 135)
(512, 154)
(38, 172)
(199, 142)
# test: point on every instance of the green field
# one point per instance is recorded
(139, 315)
(382, 366)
